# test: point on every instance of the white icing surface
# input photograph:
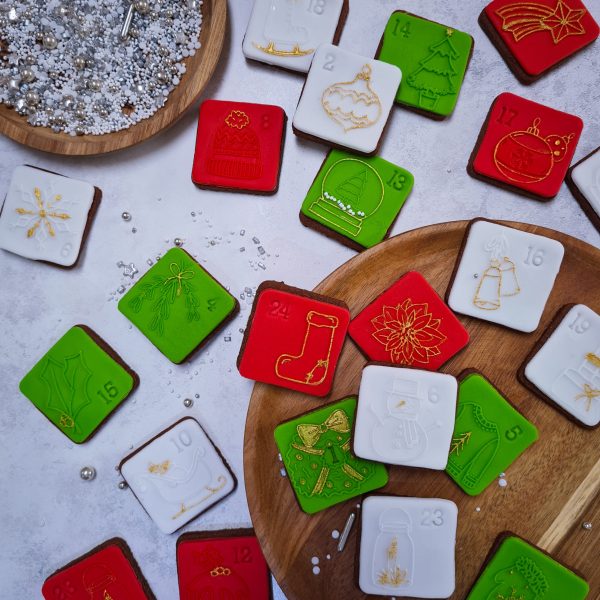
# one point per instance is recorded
(45, 228)
(423, 533)
(505, 275)
(587, 178)
(333, 85)
(405, 416)
(562, 369)
(178, 475)
(277, 27)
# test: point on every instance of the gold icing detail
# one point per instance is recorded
(178, 275)
(459, 442)
(593, 358)
(161, 468)
(211, 492)
(220, 571)
(237, 119)
(393, 576)
(44, 213)
(589, 393)
(271, 49)
(310, 433)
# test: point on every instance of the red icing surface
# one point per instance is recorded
(222, 569)
(294, 342)
(540, 33)
(238, 145)
(106, 574)
(528, 145)
(413, 326)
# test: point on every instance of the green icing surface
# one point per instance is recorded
(77, 384)
(316, 451)
(372, 188)
(177, 304)
(518, 571)
(433, 59)
(489, 434)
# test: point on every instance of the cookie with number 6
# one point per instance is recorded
(78, 383)
(293, 338)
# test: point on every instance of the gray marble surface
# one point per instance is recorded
(49, 514)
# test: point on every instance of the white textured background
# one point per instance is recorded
(49, 515)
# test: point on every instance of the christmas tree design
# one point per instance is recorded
(434, 77)
(352, 189)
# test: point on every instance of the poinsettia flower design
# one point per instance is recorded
(408, 332)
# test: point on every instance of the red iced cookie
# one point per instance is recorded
(541, 33)
(239, 146)
(212, 566)
(293, 339)
(525, 145)
(409, 324)
(106, 572)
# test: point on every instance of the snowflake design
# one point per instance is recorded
(408, 332)
(40, 217)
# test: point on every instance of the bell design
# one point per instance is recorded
(351, 192)
(487, 295)
(393, 556)
(509, 285)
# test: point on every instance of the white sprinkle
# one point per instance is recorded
(502, 483)
(316, 570)
(314, 560)
(335, 534)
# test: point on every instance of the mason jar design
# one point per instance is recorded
(393, 557)
(399, 434)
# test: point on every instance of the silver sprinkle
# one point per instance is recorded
(262, 265)
(256, 240)
(346, 532)
(122, 485)
(125, 216)
(188, 403)
(587, 525)
(121, 289)
(261, 250)
(87, 473)
(178, 242)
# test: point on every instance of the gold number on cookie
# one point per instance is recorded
(507, 116)
(405, 31)
(316, 6)
(534, 257)
(329, 60)
(579, 325)
(110, 390)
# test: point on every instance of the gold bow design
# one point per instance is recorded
(589, 393)
(310, 434)
(178, 274)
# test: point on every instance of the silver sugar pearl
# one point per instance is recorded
(27, 75)
(125, 216)
(162, 76)
(169, 13)
(587, 525)
(14, 84)
(188, 403)
(49, 41)
(79, 62)
(163, 51)
(178, 242)
(32, 98)
(94, 85)
(103, 112)
(30, 60)
(63, 11)
(53, 74)
(142, 6)
(122, 485)
(79, 130)
(133, 32)
(87, 473)
(80, 114)
(68, 102)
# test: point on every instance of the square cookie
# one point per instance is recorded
(286, 33)
(525, 147)
(47, 216)
(178, 475)
(356, 200)
(222, 564)
(78, 383)
(504, 275)
(564, 366)
(107, 572)
(178, 305)
(409, 324)
(239, 146)
(489, 434)
(535, 37)
(316, 449)
(583, 179)
(517, 569)
(433, 59)
(293, 339)
(403, 543)
(405, 416)
(346, 100)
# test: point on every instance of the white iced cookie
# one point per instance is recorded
(567, 367)
(177, 475)
(44, 216)
(346, 99)
(505, 275)
(405, 416)
(286, 33)
(407, 547)
(586, 176)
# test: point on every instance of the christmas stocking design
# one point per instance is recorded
(311, 365)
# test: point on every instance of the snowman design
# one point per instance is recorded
(400, 434)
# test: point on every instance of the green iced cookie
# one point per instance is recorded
(77, 384)
(357, 198)
(488, 435)
(433, 59)
(177, 304)
(315, 449)
(519, 571)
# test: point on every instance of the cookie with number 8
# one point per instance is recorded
(239, 146)
(78, 383)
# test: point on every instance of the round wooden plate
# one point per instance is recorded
(552, 487)
(199, 69)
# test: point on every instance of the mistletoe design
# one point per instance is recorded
(164, 293)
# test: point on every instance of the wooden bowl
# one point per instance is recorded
(552, 488)
(199, 70)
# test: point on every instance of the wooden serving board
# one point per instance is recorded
(552, 488)
(199, 70)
